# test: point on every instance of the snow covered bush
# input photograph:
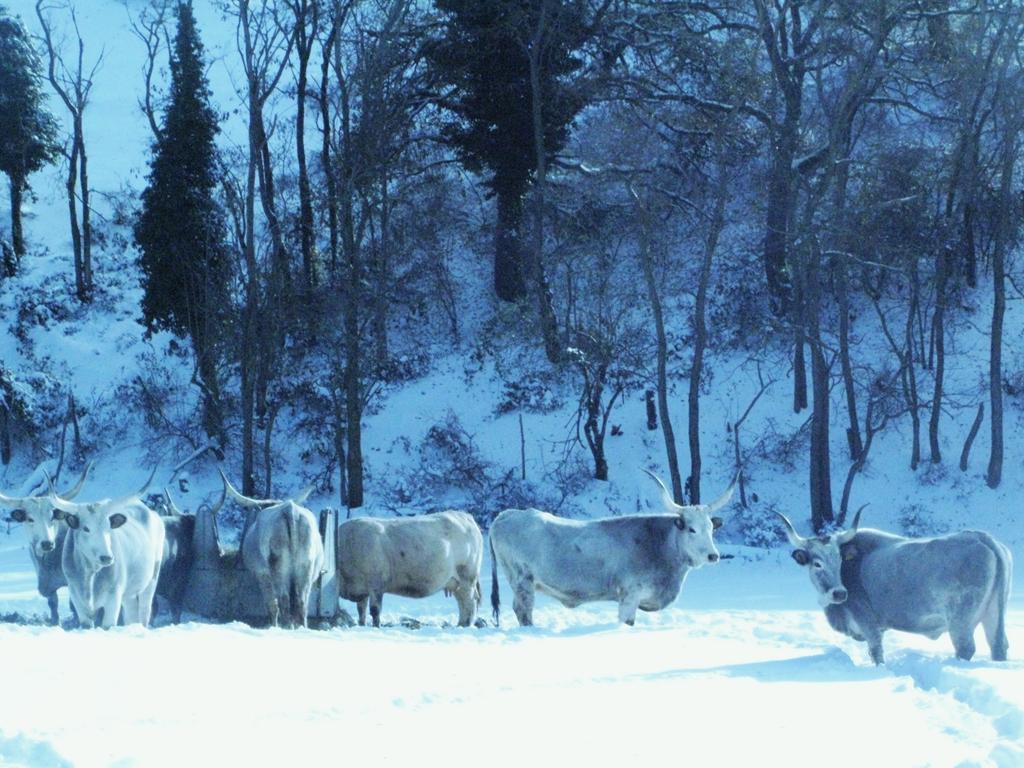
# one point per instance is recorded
(534, 392)
(916, 520)
(757, 525)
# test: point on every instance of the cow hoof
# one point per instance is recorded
(630, 622)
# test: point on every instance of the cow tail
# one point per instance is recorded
(495, 592)
(291, 574)
(1001, 589)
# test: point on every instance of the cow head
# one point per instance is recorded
(93, 524)
(40, 517)
(695, 524)
(822, 556)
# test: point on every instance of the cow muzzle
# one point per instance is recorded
(46, 546)
(713, 557)
(838, 596)
(106, 560)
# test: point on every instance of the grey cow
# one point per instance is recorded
(412, 557)
(870, 581)
(638, 561)
(111, 558)
(46, 539)
(281, 547)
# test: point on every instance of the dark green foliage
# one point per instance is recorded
(181, 231)
(28, 132)
(483, 55)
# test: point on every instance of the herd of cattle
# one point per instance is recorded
(115, 555)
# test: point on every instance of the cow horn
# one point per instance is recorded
(305, 493)
(794, 538)
(849, 533)
(666, 496)
(171, 506)
(13, 501)
(145, 487)
(722, 500)
(216, 507)
(244, 501)
(74, 490)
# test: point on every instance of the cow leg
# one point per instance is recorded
(81, 607)
(130, 609)
(628, 606)
(376, 601)
(995, 629)
(962, 635)
(963, 618)
(465, 595)
(522, 602)
(51, 601)
(270, 597)
(361, 608)
(300, 601)
(145, 603)
(111, 607)
(874, 640)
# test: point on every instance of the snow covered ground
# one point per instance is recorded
(741, 671)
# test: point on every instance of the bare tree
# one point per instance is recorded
(73, 84)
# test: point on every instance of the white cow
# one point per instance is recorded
(46, 534)
(282, 549)
(111, 558)
(412, 557)
(638, 561)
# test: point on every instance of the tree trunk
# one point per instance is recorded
(662, 353)
(820, 469)
(5, 435)
(910, 373)
(305, 48)
(545, 305)
(942, 266)
(76, 232)
(17, 234)
(508, 273)
(994, 475)
(853, 436)
(83, 170)
(779, 214)
(799, 361)
(700, 336)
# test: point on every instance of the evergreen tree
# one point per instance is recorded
(28, 132)
(181, 232)
(483, 54)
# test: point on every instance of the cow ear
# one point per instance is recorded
(850, 552)
(19, 516)
(58, 514)
(117, 520)
(801, 556)
(71, 520)
(680, 522)
(716, 523)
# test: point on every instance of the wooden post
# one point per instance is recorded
(652, 413)
(323, 601)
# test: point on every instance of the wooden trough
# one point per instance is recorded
(221, 588)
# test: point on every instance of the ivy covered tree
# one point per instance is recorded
(484, 55)
(28, 132)
(181, 231)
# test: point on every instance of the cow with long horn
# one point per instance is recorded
(638, 561)
(870, 581)
(281, 547)
(46, 532)
(111, 558)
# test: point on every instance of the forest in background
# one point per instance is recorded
(827, 190)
